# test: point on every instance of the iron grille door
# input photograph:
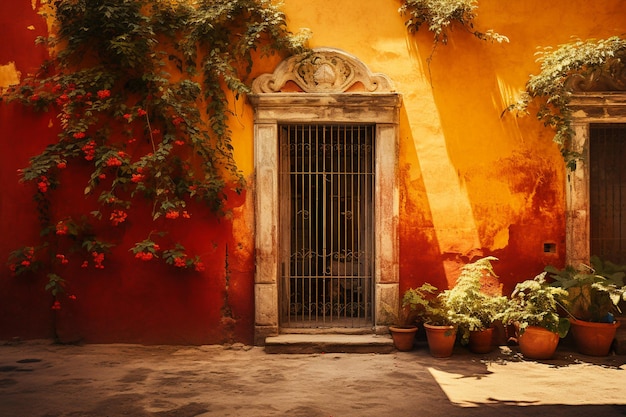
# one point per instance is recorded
(607, 191)
(327, 236)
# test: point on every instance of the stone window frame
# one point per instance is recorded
(324, 85)
(586, 108)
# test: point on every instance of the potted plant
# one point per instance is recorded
(533, 309)
(429, 306)
(465, 309)
(474, 309)
(403, 332)
(594, 294)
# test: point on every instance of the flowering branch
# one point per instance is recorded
(134, 124)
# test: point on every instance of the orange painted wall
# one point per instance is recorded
(472, 182)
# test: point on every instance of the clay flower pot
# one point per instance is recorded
(403, 337)
(481, 341)
(440, 340)
(538, 343)
(594, 339)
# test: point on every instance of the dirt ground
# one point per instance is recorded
(42, 379)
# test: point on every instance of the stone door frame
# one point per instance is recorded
(323, 86)
(587, 108)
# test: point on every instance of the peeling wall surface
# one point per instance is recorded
(473, 182)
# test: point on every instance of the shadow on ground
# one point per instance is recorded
(41, 379)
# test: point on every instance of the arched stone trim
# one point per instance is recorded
(323, 70)
(611, 79)
(333, 87)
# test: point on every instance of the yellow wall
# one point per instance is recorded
(472, 182)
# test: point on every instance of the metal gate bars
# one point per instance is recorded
(326, 211)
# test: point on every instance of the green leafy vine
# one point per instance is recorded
(439, 15)
(139, 89)
(549, 89)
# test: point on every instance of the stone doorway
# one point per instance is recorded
(330, 87)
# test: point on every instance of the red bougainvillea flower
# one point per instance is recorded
(172, 214)
(79, 135)
(102, 176)
(85, 264)
(117, 217)
(180, 262)
(25, 263)
(199, 266)
(61, 228)
(62, 258)
(71, 297)
(90, 150)
(102, 94)
(141, 112)
(62, 99)
(179, 142)
(127, 116)
(43, 186)
(137, 178)
(144, 256)
(98, 258)
(113, 162)
(34, 97)
(61, 165)
(56, 305)
(186, 215)
(176, 120)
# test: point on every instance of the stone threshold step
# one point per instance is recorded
(329, 343)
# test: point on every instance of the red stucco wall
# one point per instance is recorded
(128, 300)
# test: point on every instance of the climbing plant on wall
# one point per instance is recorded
(439, 16)
(139, 88)
(549, 90)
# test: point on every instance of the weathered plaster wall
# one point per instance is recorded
(472, 182)
(24, 308)
(128, 300)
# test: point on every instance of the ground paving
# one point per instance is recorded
(42, 379)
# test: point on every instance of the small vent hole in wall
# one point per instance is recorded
(549, 248)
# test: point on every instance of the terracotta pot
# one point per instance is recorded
(440, 340)
(594, 339)
(538, 343)
(481, 341)
(403, 337)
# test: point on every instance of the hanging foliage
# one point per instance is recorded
(439, 15)
(590, 59)
(139, 89)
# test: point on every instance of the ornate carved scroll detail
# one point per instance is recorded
(322, 70)
(611, 78)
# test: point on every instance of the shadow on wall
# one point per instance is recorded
(476, 183)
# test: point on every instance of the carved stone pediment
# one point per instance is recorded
(611, 78)
(323, 70)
